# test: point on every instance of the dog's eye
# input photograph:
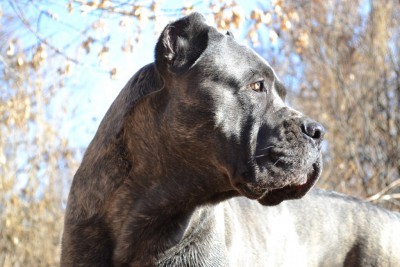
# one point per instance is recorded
(257, 86)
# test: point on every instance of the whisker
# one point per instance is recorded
(268, 147)
(277, 161)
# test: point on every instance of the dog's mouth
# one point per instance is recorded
(271, 197)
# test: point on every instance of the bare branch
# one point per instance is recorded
(390, 197)
(19, 13)
(381, 194)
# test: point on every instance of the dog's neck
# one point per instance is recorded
(165, 205)
(160, 156)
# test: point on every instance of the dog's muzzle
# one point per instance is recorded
(289, 165)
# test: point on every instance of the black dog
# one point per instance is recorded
(205, 123)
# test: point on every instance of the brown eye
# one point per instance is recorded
(257, 86)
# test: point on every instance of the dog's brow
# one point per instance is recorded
(249, 75)
(264, 72)
(280, 89)
(270, 73)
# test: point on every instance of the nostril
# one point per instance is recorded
(317, 134)
(313, 129)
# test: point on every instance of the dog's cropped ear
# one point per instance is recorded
(181, 43)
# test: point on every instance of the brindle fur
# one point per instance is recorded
(169, 176)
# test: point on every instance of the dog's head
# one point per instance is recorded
(228, 106)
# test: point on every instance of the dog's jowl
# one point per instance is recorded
(190, 163)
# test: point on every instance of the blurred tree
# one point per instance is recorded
(340, 58)
(35, 162)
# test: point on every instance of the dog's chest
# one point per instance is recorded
(196, 255)
(204, 243)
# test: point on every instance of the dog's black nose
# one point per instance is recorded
(313, 129)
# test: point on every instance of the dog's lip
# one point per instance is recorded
(269, 197)
(295, 191)
(252, 193)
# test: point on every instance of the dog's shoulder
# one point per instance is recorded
(106, 160)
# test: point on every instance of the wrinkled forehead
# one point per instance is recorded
(224, 55)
